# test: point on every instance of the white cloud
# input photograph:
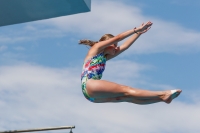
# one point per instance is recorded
(2, 48)
(13, 38)
(128, 73)
(104, 17)
(28, 32)
(116, 17)
(19, 48)
(36, 96)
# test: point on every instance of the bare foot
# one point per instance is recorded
(170, 95)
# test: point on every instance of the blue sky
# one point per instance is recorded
(40, 66)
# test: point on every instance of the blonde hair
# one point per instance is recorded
(91, 43)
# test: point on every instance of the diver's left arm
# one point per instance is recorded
(131, 40)
(124, 46)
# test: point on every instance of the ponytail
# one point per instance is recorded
(91, 43)
(87, 42)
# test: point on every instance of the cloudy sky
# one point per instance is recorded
(41, 62)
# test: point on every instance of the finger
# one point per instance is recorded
(149, 23)
(146, 24)
(145, 30)
(148, 28)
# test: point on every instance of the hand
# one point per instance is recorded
(143, 28)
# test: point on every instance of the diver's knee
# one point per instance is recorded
(128, 91)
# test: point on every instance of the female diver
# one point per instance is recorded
(99, 91)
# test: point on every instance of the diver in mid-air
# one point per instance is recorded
(99, 91)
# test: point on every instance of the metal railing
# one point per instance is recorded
(40, 129)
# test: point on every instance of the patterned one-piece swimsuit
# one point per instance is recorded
(92, 69)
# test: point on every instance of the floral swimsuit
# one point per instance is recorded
(92, 69)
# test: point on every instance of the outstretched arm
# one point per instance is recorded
(140, 30)
(103, 44)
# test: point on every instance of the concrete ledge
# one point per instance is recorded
(20, 11)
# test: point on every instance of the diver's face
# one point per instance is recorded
(111, 49)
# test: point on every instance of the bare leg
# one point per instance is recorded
(100, 89)
(126, 99)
